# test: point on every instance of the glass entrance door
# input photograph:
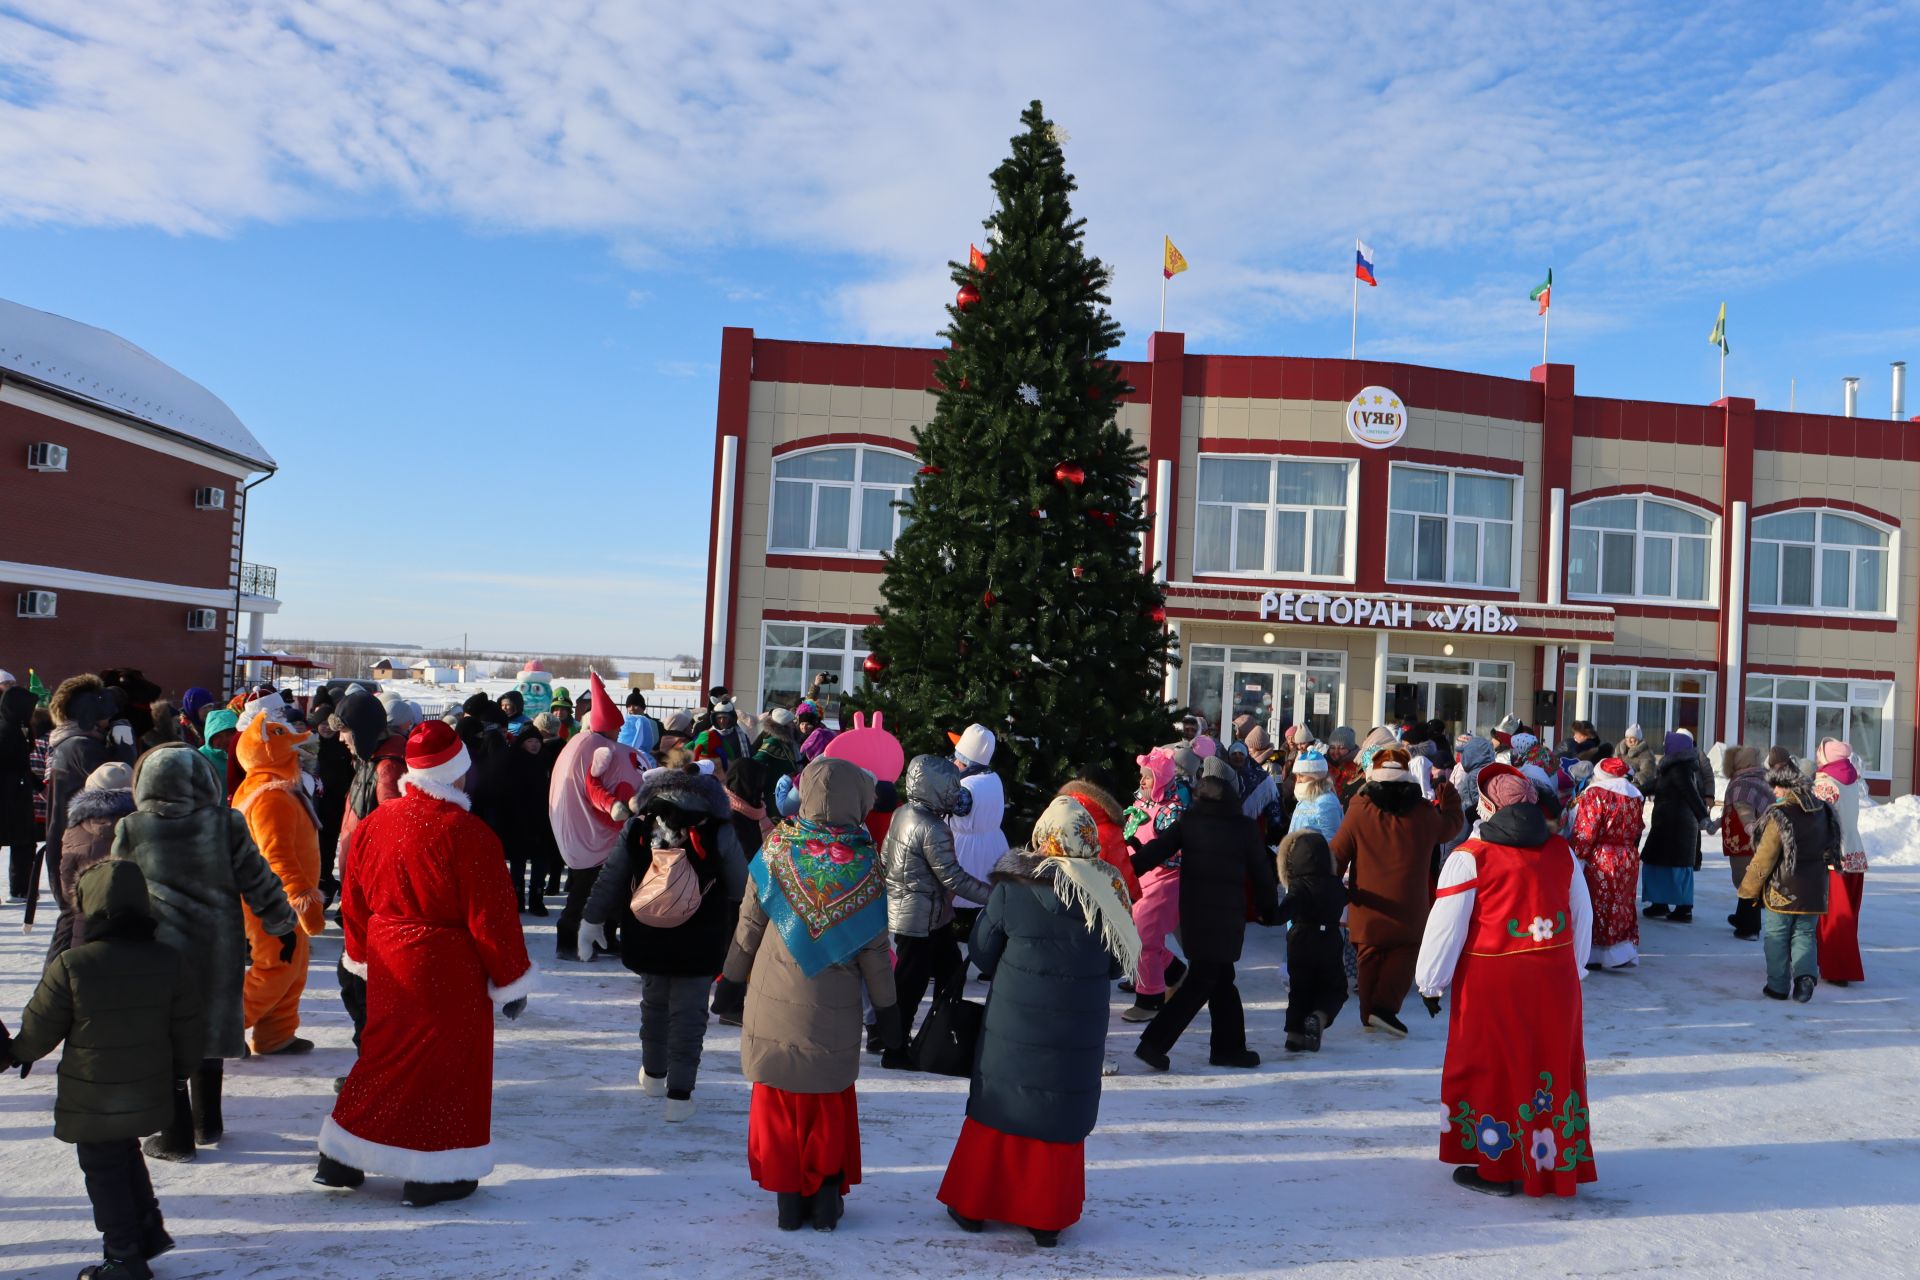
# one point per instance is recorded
(1268, 694)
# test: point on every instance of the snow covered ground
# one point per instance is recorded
(1735, 1137)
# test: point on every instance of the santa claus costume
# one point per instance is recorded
(1605, 833)
(1510, 932)
(431, 924)
(593, 779)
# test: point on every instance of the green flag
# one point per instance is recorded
(1719, 335)
(1543, 292)
(38, 690)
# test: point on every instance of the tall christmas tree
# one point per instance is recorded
(1016, 596)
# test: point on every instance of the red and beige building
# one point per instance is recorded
(124, 511)
(1345, 541)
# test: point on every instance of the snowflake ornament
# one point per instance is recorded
(1057, 135)
(1029, 394)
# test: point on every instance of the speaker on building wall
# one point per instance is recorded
(1406, 703)
(1546, 708)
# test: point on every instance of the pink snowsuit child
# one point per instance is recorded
(1157, 805)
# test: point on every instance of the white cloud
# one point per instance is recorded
(1637, 147)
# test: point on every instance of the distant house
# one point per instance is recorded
(387, 669)
(427, 673)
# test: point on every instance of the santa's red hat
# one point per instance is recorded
(1614, 767)
(604, 717)
(436, 754)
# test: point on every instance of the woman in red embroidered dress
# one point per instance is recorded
(1608, 820)
(1510, 931)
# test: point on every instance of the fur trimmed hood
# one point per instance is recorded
(96, 802)
(1097, 796)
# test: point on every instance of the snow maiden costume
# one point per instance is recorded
(1605, 834)
(1510, 932)
(1838, 782)
(431, 925)
(812, 938)
(1054, 930)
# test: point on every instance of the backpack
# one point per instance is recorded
(670, 891)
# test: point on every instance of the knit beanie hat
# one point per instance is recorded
(436, 754)
(1311, 762)
(1215, 767)
(561, 698)
(1508, 788)
(402, 715)
(1300, 735)
(1205, 747)
(1342, 736)
(112, 776)
(974, 744)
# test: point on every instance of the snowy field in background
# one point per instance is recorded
(1735, 1137)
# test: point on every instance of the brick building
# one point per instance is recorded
(1343, 541)
(123, 512)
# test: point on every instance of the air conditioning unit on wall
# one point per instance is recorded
(38, 604)
(201, 619)
(210, 499)
(46, 457)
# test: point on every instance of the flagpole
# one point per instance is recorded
(1546, 323)
(1353, 345)
(1723, 373)
(1163, 300)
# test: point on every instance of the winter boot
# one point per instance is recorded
(207, 1125)
(1127, 987)
(118, 1269)
(1311, 1032)
(1771, 994)
(793, 1209)
(175, 1142)
(293, 1048)
(1152, 1056)
(1377, 1021)
(1144, 1007)
(972, 1226)
(1803, 988)
(1234, 1058)
(1176, 972)
(652, 1086)
(827, 1205)
(418, 1195)
(876, 1043)
(1658, 911)
(1469, 1177)
(679, 1106)
(336, 1174)
(154, 1239)
(1680, 915)
(897, 1060)
(1046, 1239)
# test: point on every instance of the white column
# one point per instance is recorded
(1582, 701)
(1735, 589)
(1162, 517)
(717, 637)
(1550, 679)
(1171, 689)
(256, 642)
(1556, 545)
(1379, 680)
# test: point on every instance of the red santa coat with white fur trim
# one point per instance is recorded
(429, 913)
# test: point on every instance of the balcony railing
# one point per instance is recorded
(259, 580)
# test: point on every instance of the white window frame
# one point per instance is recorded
(1350, 542)
(852, 674)
(1518, 483)
(857, 487)
(1405, 668)
(1814, 702)
(1890, 590)
(1633, 693)
(1640, 534)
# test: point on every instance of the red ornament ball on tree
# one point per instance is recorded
(873, 665)
(1070, 473)
(1159, 614)
(986, 599)
(930, 470)
(967, 296)
(1079, 571)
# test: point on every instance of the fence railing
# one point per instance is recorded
(259, 580)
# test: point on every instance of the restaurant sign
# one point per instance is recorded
(1383, 612)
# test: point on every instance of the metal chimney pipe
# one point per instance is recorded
(1852, 392)
(1899, 390)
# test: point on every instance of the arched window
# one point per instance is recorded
(1819, 560)
(1639, 547)
(839, 500)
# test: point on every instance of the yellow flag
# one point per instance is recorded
(1175, 263)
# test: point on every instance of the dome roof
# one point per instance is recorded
(91, 364)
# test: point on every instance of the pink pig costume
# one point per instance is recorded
(593, 779)
(1155, 807)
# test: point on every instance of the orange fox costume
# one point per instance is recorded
(284, 825)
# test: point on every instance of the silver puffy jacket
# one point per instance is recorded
(922, 873)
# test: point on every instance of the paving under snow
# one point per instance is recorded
(1735, 1137)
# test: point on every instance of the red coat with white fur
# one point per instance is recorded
(430, 920)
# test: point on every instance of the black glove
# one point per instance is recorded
(514, 1008)
(1433, 1005)
(893, 1032)
(288, 941)
(729, 1000)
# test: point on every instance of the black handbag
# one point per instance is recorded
(946, 1041)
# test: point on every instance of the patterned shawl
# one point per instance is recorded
(821, 887)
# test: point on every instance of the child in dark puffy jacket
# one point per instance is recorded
(1316, 968)
(130, 1017)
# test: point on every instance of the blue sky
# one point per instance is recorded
(463, 268)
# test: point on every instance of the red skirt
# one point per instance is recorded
(796, 1141)
(1840, 928)
(1024, 1182)
(1515, 1080)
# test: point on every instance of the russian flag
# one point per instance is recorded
(1363, 263)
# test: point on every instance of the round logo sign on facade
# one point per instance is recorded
(1377, 418)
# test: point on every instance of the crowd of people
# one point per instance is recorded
(812, 885)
